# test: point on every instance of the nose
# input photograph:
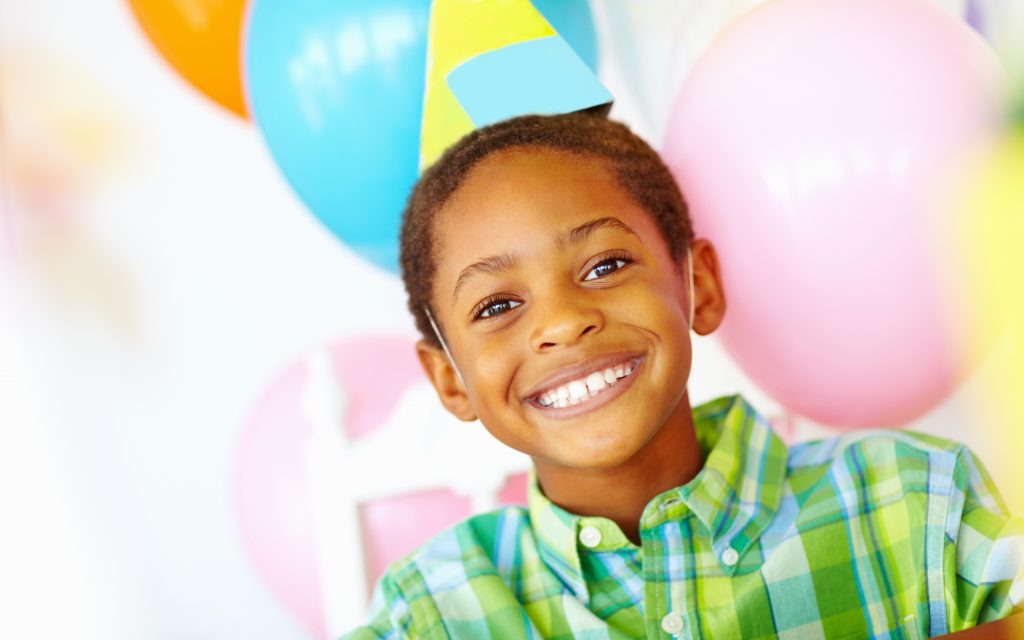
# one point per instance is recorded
(562, 319)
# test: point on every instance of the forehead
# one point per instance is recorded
(539, 188)
(538, 161)
(517, 201)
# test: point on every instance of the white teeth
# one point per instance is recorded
(577, 391)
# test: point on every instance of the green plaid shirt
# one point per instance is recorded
(881, 534)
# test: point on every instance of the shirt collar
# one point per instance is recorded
(556, 531)
(734, 496)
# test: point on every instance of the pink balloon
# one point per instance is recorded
(808, 142)
(275, 511)
(272, 501)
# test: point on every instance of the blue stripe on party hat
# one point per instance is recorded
(543, 76)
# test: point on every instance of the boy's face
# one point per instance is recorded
(552, 282)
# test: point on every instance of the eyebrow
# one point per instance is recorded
(490, 264)
(564, 240)
(576, 235)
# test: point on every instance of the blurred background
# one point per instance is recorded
(205, 354)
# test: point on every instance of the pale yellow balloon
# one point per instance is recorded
(993, 238)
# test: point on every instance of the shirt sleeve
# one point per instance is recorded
(380, 624)
(989, 553)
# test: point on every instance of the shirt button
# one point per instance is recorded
(672, 623)
(730, 557)
(590, 536)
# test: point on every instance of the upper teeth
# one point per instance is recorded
(581, 390)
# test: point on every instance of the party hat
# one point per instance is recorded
(488, 60)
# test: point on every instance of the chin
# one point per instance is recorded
(600, 458)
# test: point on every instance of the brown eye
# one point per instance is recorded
(492, 308)
(606, 268)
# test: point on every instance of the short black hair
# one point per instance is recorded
(640, 171)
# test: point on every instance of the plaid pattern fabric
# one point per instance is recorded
(880, 534)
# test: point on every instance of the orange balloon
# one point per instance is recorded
(201, 39)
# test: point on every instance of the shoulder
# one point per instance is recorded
(879, 448)
(885, 464)
(881, 445)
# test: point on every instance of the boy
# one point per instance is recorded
(552, 271)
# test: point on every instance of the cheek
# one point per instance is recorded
(493, 366)
(658, 306)
(657, 311)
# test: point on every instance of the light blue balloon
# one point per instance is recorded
(336, 88)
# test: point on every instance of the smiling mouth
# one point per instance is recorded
(585, 389)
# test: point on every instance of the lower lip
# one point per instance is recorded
(607, 395)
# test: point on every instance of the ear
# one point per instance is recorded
(449, 387)
(709, 295)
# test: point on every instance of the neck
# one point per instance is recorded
(669, 459)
